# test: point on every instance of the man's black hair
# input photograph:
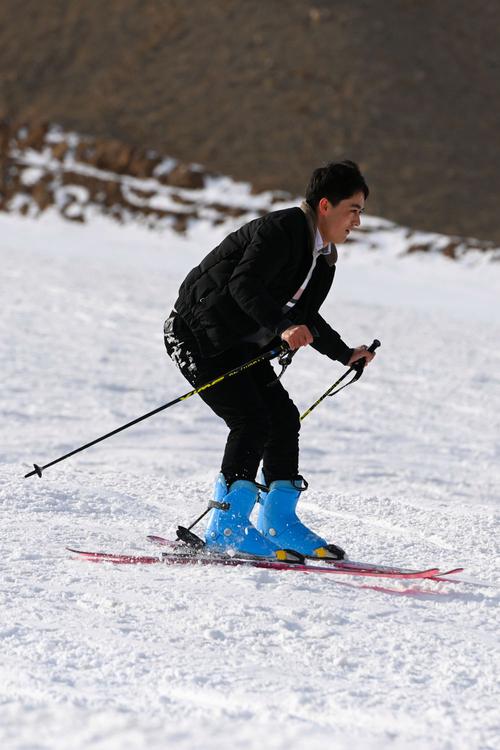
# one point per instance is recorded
(335, 181)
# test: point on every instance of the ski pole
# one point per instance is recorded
(357, 368)
(282, 350)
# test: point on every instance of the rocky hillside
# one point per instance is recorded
(45, 168)
(265, 91)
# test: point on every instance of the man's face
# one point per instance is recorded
(336, 222)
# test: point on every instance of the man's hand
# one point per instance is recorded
(359, 353)
(297, 336)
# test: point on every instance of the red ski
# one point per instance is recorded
(356, 568)
(176, 558)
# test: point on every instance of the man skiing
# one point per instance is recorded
(265, 282)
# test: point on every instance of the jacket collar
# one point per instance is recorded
(331, 257)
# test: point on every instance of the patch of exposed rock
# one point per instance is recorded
(43, 167)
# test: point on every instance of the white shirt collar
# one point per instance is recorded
(318, 242)
(319, 246)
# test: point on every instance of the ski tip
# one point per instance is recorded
(82, 553)
(451, 572)
(155, 539)
(117, 559)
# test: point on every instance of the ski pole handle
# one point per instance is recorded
(374, 345)
(360, 364)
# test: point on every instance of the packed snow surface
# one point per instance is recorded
(403, 468)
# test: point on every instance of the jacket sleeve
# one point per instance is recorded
(328, 342)
(266, 256)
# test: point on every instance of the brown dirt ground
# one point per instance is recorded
(265, 91)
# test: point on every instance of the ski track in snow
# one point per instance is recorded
(403, 469)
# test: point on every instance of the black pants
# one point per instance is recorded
(263, 421)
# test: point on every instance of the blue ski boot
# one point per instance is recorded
(279, 523)
(229, 528)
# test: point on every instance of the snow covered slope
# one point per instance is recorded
(403, 468)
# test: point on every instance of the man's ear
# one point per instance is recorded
(323, 205)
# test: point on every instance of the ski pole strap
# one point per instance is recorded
(271, 354)
(285, 359)
(325, 394)
(358, 368)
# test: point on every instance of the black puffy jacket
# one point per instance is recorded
(245, 282)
